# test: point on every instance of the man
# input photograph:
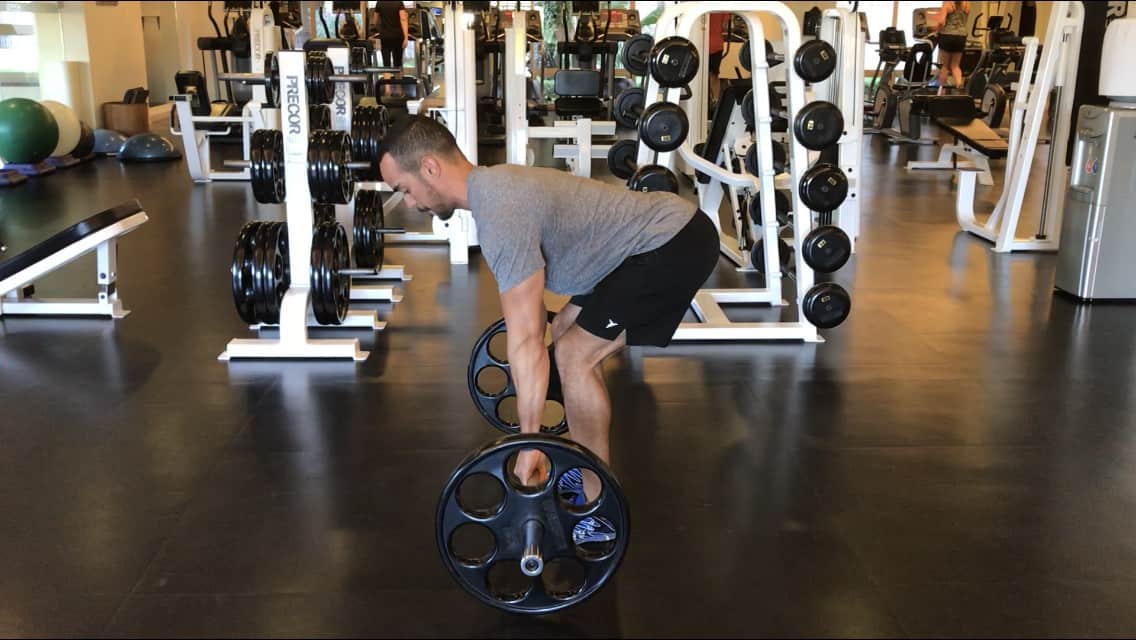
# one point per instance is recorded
(632, 262)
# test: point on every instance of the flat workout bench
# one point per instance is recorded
(99, 232)
(974, 139)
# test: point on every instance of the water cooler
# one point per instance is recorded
(1098, 230)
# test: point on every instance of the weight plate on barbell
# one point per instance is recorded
(484, 510)
(814, 61)
(628, 106)
(317, 73)
(490, 382)
(674, 61)
(272, 79)
(319, 117)
(653, 177)
(663, 126)
(818, 124)
(636, 53)
(826, 305)
(826, 248)
(823, 187)
(266, 166)
(621, 158)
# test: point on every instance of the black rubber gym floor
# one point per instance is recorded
(955, 459)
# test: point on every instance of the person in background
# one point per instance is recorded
(952, 28)
(1027, 24)
(390, 21)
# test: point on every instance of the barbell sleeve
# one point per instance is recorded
(236, 164)
(354, 78)
(532, 563)
(252, 78)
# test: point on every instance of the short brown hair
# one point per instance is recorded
(415, 136)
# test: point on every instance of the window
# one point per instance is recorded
(19, 55)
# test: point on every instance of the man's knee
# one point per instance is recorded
(579, 351)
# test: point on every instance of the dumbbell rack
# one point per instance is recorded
(845, 89)
(294, 341)
(713, 322)
(341, 114)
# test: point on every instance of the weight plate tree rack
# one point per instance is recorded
(342, 113)
(263, 38)
(296, 306)
(713, 323)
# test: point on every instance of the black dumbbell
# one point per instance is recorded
(651, 177)
(823, 187)
(636, 53)
(780, 159)
(818, 124)
(628, 106)
(814, 60)
(663, 126)
(781, 202)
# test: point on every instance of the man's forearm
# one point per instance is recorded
(528, 360)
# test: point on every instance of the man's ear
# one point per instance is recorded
(431, 168)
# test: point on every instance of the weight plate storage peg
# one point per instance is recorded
(814, 61)
(826, 248)
(621, 158)
(674, 61)
(663, 126)
(491, 385)
(653, 177)
(819, 124)
(823, 187)
(636, 53)
(826, 305)
(628, 106)
(511, 546)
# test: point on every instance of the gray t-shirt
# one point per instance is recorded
(578, 229)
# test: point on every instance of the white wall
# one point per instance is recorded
(116, 52)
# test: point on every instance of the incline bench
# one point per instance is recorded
(974, 139)
(99, 233)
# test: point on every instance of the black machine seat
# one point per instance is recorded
(957, 115)
(68, 237)
(578, 92)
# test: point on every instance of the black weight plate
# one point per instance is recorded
(367, 250)
(781, 201)
(240, 271)
(636, 52)
(518, 505)
(341, 282)
(344, 182)
(772, 58)
(318, 70)
(780, 157)
(653, 177)
(757, 254)
(751, 165)
(315, 180)
(628, 106)
(269, 272)
(319, 117)
(322, 213)
(378, 239)
(663, 126)
(488, 402)
(823, 187)
(275, 165)
(321, 263)
(744, 57)
(818, 124)
(826, 248)
(748, 113)
(621, 158)
(993, 105)
(826, 305)
(814, 61)
(261, 268)
(674, 61)
(272, 79)
(266, 166)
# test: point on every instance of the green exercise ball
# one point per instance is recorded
(28, 132)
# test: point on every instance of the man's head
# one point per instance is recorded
(420, 158)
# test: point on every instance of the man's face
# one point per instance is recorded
(421, 189)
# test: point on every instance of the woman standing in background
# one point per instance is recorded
(389, 21)
(952, 28)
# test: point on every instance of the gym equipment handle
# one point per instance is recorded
(532, 563)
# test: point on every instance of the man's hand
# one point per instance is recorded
(532, 468)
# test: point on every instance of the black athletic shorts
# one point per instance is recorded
(715, 62)
(649, 293)
(952, 44)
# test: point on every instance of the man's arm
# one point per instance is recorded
(525, 320)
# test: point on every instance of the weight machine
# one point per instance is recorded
(1056, 72)
(191, 108)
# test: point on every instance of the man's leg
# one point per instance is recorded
(579, 359)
